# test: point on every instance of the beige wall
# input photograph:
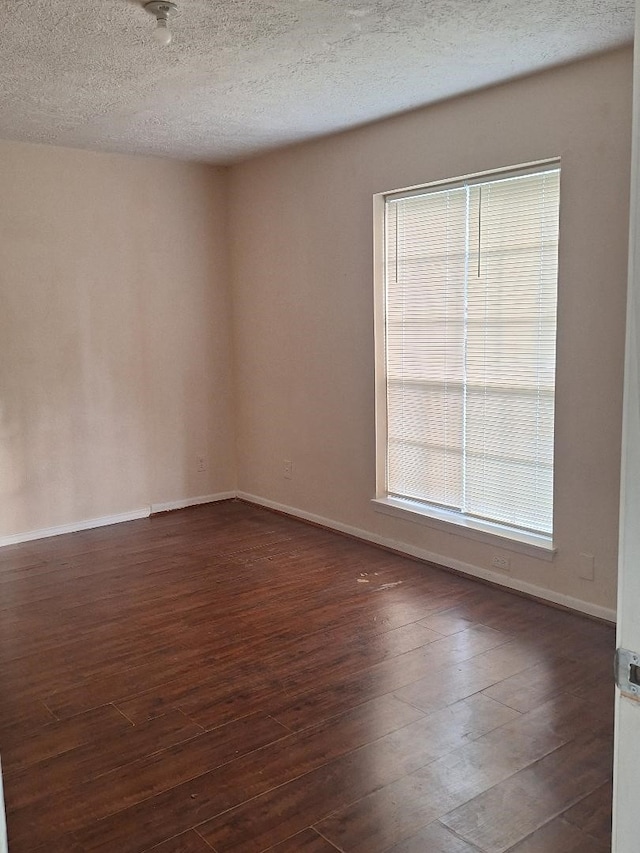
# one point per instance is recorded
(301, 223)
(114, 335)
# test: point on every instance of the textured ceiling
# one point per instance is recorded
(245, 75)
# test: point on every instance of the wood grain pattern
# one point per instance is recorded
(225, 678)
(20, 751)
(593, 814)
(307, 841)
(98, 757)
(188, 842)
(63, 844)
(434, 838)
(142, 779)
(436, 788)
(246, 778)
(561, 837)
(499, 818)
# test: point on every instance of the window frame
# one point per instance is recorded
(538, 545)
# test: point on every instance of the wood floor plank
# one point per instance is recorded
(256, 824)
(22, 714)
(63, 844)
(91, 694)
(217, 789)
(307, 841)
(344, 650)
(280, 812)
(320, 751)
(91, 760)
(434, 838)
(180, 664)
(70, 809)
(188, 842)
(16, 560)
(565, 717)
(560, 837)
(599, 690)
(535, 685)
(214, 703)
(501, 817)
(19, 750)
(452, 683)
(341, 689)
(497, 608)
(593, 814)
(407, 667)
(446, 623)
(310, 708)
(329, 675)
(400, 809)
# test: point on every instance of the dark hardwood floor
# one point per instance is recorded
(225, 678)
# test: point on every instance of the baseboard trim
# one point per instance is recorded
(106, 520)
(187, 502)
(74, 527)
(529, 589)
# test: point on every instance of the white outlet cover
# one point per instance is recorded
(586, 569)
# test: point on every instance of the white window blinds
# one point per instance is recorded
(471, 286)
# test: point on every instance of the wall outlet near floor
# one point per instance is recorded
(586, 567)
(287, 472)
(201, 462)
(503, 564)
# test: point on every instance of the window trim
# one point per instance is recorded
(537, 545)
(499, 535)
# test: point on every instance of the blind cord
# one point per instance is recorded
(479, 226)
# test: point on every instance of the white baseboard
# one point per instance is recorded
(185, 502)
(104, 521)
(74, 527)
(464, 568)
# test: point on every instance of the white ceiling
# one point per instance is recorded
(243, 76)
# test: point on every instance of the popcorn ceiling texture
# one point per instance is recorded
(243, 76)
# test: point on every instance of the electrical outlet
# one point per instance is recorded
(202, 464)
(586, 567)
(503, 564)
(288, 469)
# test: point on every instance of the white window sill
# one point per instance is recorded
(533, 544)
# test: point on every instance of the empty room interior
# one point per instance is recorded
(312, 356)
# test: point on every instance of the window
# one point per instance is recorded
(467, 334)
